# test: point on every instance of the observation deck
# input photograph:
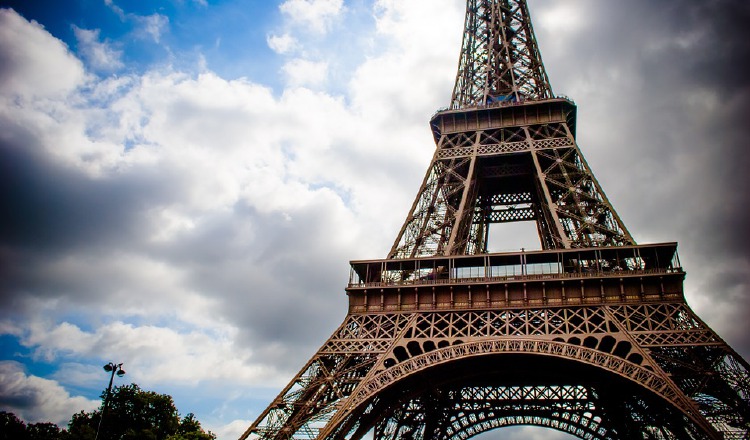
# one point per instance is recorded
(560, 277)
(502, 114)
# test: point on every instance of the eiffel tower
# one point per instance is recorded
(591, 335)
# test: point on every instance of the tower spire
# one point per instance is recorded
(499, 60)
(506, 151)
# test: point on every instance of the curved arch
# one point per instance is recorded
(614, 364)
(388, 377)
(585, 428)
(454, 413)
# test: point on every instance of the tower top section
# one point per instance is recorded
(500, 60)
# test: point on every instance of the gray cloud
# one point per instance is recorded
(663, 101)
(35, 399)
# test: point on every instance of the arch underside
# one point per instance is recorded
(472, 396)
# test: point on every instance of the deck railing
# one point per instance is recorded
(602, 262)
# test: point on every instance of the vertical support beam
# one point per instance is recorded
(549, 208)
(464, 213)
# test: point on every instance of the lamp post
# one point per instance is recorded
(114, 369)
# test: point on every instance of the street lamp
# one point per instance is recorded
(114, 369)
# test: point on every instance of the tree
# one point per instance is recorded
(130, 414)
(190, 429)
(133, 414)
(143, 414)
(82, 427)
(43, 431)
(11, 428)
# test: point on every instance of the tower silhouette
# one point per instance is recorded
(590, 335)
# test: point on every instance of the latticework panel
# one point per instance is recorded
(584, 214)
(464, 412)
(495, 175)
(705, 368)
(581, 411)
(663, 347)
(509, 322)
(311, 399)
(427, 229)
(499, 61)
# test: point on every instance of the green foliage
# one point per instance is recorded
(190, 429)
(135, 413)
(130, 414)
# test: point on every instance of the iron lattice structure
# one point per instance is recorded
(590, 335)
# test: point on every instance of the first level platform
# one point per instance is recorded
(586, 276)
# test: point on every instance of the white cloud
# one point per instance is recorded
(226, 144)
(301, 72)
(220, 147)
(315, 15)
(561, 17)
(40, 66)
(152, 354)
(99, 55)
(418, 67)
(153, 25)
(232, 430)
(35, 399)
(116, 9)
(281, 44)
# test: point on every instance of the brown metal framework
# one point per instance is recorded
(590, 335)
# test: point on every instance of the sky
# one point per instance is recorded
(183, 182)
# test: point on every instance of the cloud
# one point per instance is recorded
(660, 109)
(281, 44)
(314, 15)
(562, 17)
(153, 25)
(154, 354)
(167, 189)
(35, 399)
(301, 72)
(40, 66)
(100, 56)
(167, 197)
(233, 429)
(416, 71)
(116, 9)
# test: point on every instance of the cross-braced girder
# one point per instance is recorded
(461, 412)
(464, 411)
(499, 60)
(701, 385)
(495, 171)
